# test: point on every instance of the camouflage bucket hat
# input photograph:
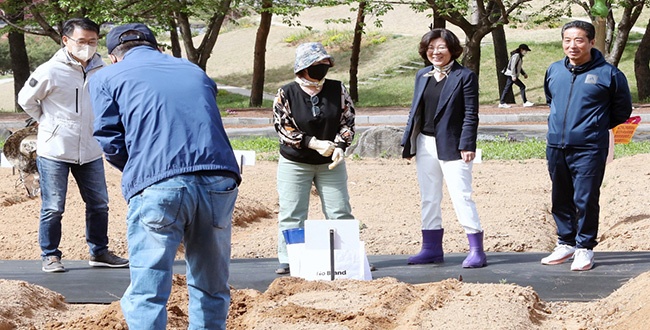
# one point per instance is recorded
(309, 53)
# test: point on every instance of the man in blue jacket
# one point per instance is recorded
(157, 120)
(587, 96)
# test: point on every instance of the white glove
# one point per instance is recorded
(323, 147)
(337, 157)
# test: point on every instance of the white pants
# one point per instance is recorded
(457, 175)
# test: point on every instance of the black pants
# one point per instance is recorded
(576, 176)
(509, 82)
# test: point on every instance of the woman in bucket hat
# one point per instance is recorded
(512, 72)
(314, 118)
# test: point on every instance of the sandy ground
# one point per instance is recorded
(512, 199)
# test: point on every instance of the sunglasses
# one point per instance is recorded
(315, 109)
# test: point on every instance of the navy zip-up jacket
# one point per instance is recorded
(585, 101)
(156, 117)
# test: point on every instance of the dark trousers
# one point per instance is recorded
(506, 88)
(576, 176)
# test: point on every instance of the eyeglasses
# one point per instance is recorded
(92, 43)
(315, 109)
(439, 48)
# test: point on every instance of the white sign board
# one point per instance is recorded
(245, 157)
(346, 234)
(312, 260)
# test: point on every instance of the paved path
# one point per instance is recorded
(491, 125)
(84, 284)
(243, 91)
(486, 132)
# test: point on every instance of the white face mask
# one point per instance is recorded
(83, 52)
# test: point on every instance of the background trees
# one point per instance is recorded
(45, 18)
(183, 20)
(642, 65)
(616, 34)
(477, 19)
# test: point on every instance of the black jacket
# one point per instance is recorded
(456, 119)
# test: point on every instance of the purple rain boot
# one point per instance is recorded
(476, 257)
(431, 248)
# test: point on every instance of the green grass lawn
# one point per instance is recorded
(227, 100)
(383, 83)
(498, 149)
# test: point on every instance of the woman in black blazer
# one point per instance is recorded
(441, 132)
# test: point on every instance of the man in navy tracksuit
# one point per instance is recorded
(587, 96)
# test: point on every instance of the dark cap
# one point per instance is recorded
(114, 37)
(524, 47)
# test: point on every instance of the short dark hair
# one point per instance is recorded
(582, 25)
(121, 49)
(82, 23)
(453, 44)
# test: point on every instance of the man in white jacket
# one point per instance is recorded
(56, 95)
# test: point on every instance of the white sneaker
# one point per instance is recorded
(560, 254)
(504, 105)
(583, 259)
(529, 104)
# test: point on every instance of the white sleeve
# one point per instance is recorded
(36, 88)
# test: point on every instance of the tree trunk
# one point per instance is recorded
(472, 55)
(438, 22)
(18, 55)
(201, 54)
(19, 63)
(259, 60)
(501, 57)
(599, 40)
(625, 25)
(183, 22)
(210, 39)
(173, 37)
(642, 66)
(48, 30)
(356, 50)
(610, 26)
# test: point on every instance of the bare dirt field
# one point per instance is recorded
(512, 199)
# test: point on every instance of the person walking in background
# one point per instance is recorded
(441, 133)
(314, 118)
(56, 95)
(587, 96)
(512, 73)
(180, 176)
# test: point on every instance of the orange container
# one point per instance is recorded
(623, 133)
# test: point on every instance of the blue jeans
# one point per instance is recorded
(576, 176)
(294, 186)
(194, 209)
(54, 186)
